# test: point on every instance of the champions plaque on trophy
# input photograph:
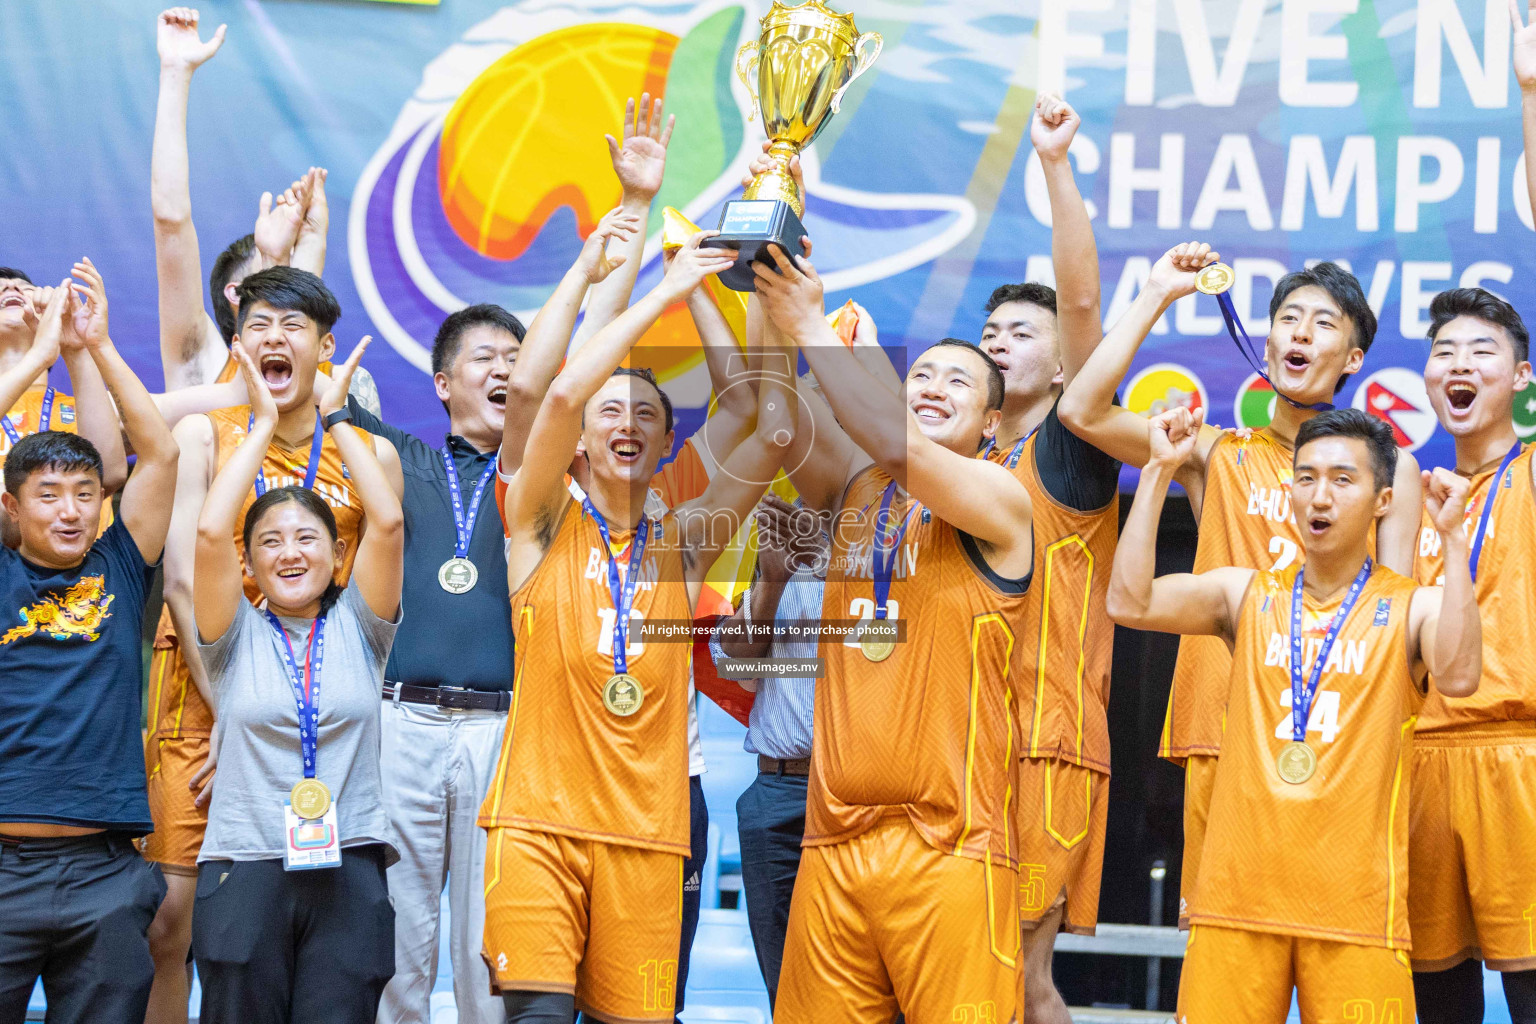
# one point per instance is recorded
(803, 61)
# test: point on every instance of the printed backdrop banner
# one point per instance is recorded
(464, 142)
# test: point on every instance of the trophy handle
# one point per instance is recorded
(866, 58)
(746, 70)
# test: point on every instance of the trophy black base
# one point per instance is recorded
(749, 226)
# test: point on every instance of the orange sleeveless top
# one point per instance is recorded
(569, 765)
(1327, 858)
(1245, 521)
(1068, 640)
(929, 732)
(1506, 598)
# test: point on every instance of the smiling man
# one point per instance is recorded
(285, 321)
(446, 699)
(907, 893)
(77, 898)
(1474, 881)
(1239, 489)
(1304, 882)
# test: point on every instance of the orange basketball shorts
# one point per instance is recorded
(1063, 810)
(1199, 781)
(179, 823)
(884, 920)
(1471, 874)
(1232, 976)
(593, 919)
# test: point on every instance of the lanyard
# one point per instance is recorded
(306, 687)
(885, 557)
(623, 592)
(464, 526)
(1253, 354)
(1483, 519)
(315, 447)
(43, 420)
(1301, 698)
(1017, 450)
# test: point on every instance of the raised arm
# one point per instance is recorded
(217, 580)
(1088, 406)
(145, 512)
(309, 249)
(540, 481)
(378, 568)
(1199, 604)
(191, 350)
(1397, 535)
(639, 162)
(49, 305)
(96, 416)
(1524, 49)
(1074, 253)
(880, 424)
(545, 341)
(735, 408)
(752, 465)
(1446, 626)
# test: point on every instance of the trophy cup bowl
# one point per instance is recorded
(797, 70)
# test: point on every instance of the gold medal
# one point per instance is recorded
(1296, 762)
(309, 799)
(623, 694)
(458, 575)
(875, 648)
(1214, 279)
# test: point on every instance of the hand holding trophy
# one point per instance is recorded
(804, 60)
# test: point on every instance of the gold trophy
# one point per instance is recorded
(804, 59)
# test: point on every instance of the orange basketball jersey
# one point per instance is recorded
(929, 731)
(1068, 639)
(1245, 521)
(1326, 858)
(175, 707)
(26, 416)
(1506, 598)
(568, 764)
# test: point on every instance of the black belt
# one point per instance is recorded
(43, 846)
(452, 698)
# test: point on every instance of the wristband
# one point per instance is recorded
(342, 415)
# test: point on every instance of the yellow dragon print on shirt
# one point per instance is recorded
(79, 613)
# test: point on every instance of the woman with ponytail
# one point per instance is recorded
(292, 919)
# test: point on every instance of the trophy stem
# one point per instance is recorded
(778, 182)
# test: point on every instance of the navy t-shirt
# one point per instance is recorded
(71, 681)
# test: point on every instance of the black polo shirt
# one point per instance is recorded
(447, 639)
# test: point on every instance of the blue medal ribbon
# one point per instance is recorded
(1301, 698)
(1483, 519)
(306, 687)
(622, 591)
(44, 418)
(315, 447)
(1255, 355)
(1018, 447)
(464, 525)
(884, 557)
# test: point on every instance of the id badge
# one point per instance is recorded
(310, 842)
